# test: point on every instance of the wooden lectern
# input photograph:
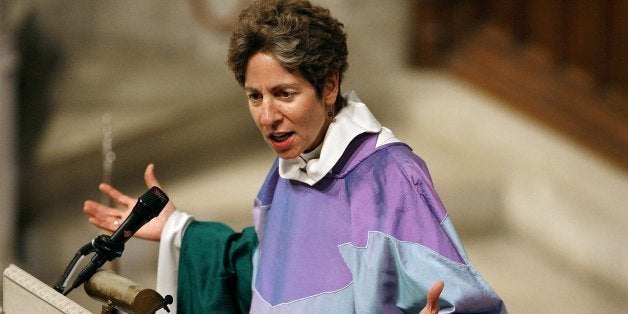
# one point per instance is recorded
(23, 293)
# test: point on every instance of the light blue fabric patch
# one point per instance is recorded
(394, 276)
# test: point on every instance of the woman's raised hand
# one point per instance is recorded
(108, 218)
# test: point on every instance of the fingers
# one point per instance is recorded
(103, 217)
(432, 297)
(117, 196)
(100, 211)
(149, 176)
(431, 306)
(151, 180)
(434, 293)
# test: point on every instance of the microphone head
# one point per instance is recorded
(153, 201)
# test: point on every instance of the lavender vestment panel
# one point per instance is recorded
(386, 190)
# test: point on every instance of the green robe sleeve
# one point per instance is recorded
(215, 269)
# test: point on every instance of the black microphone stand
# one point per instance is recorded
(106, 250)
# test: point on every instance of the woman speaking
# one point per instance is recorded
(347, 219)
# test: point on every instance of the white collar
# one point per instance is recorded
(353, 120)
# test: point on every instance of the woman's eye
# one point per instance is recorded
(285, 94)
(254, 97)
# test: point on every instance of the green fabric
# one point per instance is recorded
(215, 269)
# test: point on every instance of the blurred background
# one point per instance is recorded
(518, 107)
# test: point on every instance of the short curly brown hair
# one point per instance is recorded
(302, 36)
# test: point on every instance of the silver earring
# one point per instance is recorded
(330, 112)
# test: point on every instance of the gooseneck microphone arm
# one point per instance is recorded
(108, 248)
(67, 274)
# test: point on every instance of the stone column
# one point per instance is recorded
(8, 166)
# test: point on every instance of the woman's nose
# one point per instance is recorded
(270, 116)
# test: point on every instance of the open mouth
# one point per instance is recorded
(280, 137)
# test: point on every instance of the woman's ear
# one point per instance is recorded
(330, 91)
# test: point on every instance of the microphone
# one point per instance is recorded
(107, 248)
(148, 207)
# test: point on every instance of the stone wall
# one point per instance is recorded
(8, 166)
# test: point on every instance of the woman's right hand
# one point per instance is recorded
(432, 298)
(109, 219)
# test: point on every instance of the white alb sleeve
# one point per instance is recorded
(169, 249)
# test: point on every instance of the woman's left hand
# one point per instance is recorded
(432, 298)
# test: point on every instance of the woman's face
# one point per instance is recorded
(285, 106)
